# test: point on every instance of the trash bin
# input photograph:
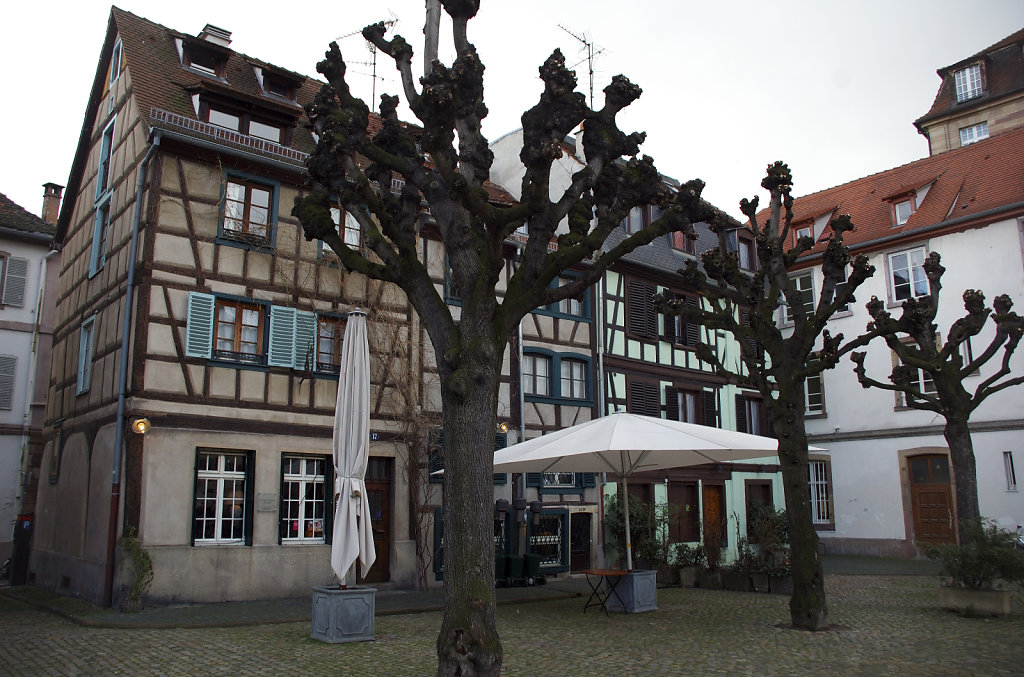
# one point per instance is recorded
(514, 567)
(500, 566)
(531, 565)
(22, 542)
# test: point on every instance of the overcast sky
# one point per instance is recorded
(830, 87)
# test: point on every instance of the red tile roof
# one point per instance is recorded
(15, 217)
(1004, 74)
(965, 186)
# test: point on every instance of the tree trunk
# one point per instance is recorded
(961, 452)
(468, 643)
(807, 608)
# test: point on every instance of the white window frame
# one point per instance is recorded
(86, 341)
(911, 269)
(973, 133)
(925, 384)
(221, 476)
(1011, 473)
(352, 233)
(100, 235)
(805, 231)
(574, 378)
(560, 479)
(307, 498)
(103, 166)
(115, 62)
(821, 493)
(902, 211)
(968, 83)
(535, 383)
(806, 294)
(814, 402)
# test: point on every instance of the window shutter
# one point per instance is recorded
(250, 497)
(7, 371)
(305, 338)
(14, 284)
(328, 500)
(500, 442)
(711, 408)
(672, 404)
(644, 399)
(199, 333)
(195, 494)
(589, 480)
(535, 479)
(643, 318)
(692, 330)
(436, 454)
(741, 414)
(282, 337)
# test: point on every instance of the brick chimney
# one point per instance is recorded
(217, 36)
(51, 202)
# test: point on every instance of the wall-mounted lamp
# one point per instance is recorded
(503, 426)
(141, 426)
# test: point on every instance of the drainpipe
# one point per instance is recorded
(30, 381)
(122, 379)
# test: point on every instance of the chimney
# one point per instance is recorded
(51, 202)
(217, 36)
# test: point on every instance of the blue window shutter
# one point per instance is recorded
(14, 284)
(535, 479)
(199, 333)
(589, 480)
(282, 337)
(305, 339)
(8, 364)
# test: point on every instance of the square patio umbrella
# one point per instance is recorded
(624, 444)
(352, 536)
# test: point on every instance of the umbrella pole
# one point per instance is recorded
(625, 513)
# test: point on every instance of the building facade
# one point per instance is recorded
(28, 275)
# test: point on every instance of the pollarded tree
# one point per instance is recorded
(775, 360)
(446, 164)
(930, 373)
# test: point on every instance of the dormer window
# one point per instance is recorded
(278, 87)
(115, 62)
(202, 59)
(638, 218)
(243, 123)
(902, 211)
(968, 83)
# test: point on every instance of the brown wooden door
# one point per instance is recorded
(931, 497)
(714, 515)
(379, 495)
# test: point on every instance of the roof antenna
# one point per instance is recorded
(589, 47)
(388, 25)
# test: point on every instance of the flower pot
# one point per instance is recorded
(759, 581)
(638, 591)
(667, 575)
(737, 581)
(688, 576)
(343, 614)
(711, 580)
(780, 584)
(975, 602)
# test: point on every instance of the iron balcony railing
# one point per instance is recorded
(205, 130)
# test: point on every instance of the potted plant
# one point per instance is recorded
(714, 537)
(974, 571)
(769, 534)
(138, 567)
(688, 560)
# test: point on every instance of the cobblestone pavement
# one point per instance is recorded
(884, 625)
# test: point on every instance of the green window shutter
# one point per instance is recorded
(14, 283)
(589, 480)
(8, 364)
(305, 340)
(711, 408)
(692, 329)
(535, 479)
(741, 414)
(199, 333)
(282, 337)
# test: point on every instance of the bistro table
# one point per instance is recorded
(610, 579)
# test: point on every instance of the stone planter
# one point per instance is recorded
(710, 580)
(975, 602)
(638, 590)
(667, 575)
(737, 581)
(343, 614)
(780, 585)
(759, 581)
(688, 576)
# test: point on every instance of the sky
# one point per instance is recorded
(729, 86)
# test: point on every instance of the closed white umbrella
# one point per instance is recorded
(353, 537)
(624, 444)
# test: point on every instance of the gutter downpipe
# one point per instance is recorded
(601, 395)
(122, 378)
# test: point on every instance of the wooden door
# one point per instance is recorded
(579, 541)
(931, 498)
(714, 516)
(379, 495)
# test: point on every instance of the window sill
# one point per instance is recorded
(565, 401)
(254, 244)
(561, 315)
(293, 542)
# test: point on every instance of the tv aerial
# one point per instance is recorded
(388, 25)
(588, 46)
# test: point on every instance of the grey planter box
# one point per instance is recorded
(638, 590)
(343, 615)
(979, 602)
